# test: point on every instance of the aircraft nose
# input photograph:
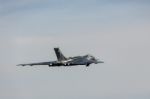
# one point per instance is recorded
(100, 61)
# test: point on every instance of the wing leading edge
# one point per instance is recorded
(50, 64)
(41, 63)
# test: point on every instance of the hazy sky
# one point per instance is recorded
(116, 31)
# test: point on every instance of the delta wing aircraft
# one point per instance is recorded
(71, 61)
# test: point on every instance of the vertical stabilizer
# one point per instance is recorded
(59, 55)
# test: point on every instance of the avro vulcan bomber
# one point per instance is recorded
(71, 61)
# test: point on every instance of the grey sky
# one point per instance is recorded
(112, 30)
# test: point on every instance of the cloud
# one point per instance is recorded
(117, 33)
(12, 6)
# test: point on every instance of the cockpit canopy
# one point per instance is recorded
(90, 57)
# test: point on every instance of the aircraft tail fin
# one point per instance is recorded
(59, 54)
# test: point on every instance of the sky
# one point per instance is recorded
(115, 31)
